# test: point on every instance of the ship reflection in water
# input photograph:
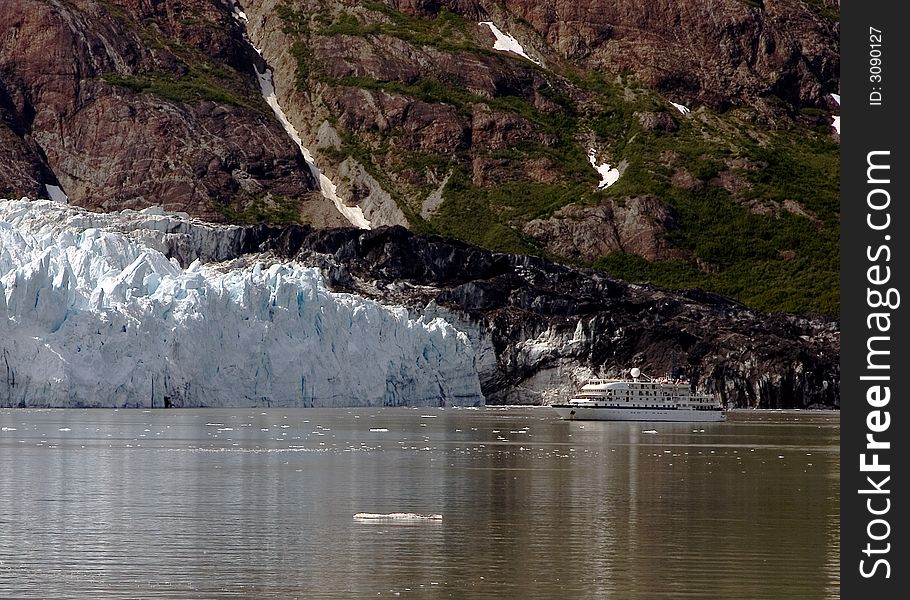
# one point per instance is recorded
(249, 503)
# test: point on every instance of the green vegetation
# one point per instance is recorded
(830, 9)
(484, 215)
(190, 75)
(262, 208)
(735, 209)
(776, 261)
(446, 31)
(469, 214)
(802, 167)
(189, 88)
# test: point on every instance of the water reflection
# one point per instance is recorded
(253, 504)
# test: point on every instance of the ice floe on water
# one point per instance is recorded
(507, 43)
(396, 516)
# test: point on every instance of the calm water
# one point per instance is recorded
(244, 503)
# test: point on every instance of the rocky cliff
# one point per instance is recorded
(637, 137)
(537, 329)
(600, 132)
(690, 145)
(131, 103)
(147, 309)
(540, 328)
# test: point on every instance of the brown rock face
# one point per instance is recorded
(587, 233)
(418, 120)
(656, 121)
(128, 104)
(477, 143)
(716, 53)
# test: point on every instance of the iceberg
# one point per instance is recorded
(396, 516)
(95, 312)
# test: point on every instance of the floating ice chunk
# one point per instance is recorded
(56, 194)
(507, 43)
(608, 175)
(683, 109)
(396, 516)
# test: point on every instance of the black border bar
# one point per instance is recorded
(875, 228)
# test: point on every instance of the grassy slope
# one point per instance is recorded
(777, 261)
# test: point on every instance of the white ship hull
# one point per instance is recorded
(605, 413)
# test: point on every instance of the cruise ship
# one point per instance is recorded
(640, 398)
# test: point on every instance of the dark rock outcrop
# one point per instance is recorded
(539, 328)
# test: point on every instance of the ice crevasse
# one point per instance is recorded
(95, 316)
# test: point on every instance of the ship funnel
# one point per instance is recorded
(635, 372)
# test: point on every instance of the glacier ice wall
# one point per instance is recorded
(95, 316)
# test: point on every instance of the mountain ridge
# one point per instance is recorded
(131, 304)
(420, 121)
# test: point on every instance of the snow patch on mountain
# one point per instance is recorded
(507, 43)
(238, 13)
(608, 175)
(329, 190)
(93, 316)
(835, 119)
(55, 193)
(681, 108)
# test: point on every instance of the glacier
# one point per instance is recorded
(95, 311)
